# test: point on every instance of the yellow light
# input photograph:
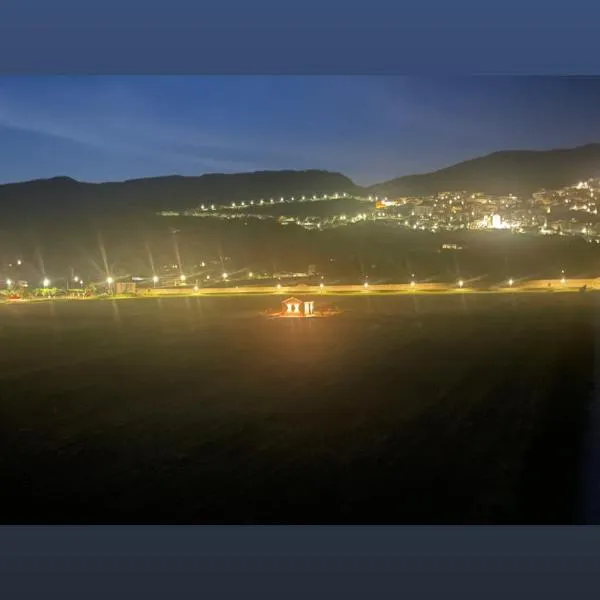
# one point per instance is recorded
(9, 282)
(563, 280)
(278, 286)
(155, 278)
(412, 284)
(208, 277)
(195, 288)
(46, 282)
(366, 284)
(109, 280)
(251, 274)
(225, 276)
(510, 282)
(461, 283)
(182, 277)
(321, 285)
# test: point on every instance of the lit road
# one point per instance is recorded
(529, 286)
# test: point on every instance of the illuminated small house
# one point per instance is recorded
(295, 307)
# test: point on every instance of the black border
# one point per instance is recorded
(290, 37)
(299, 562)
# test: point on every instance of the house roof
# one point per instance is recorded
(292, 300)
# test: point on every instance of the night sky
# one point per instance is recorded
(369, 128)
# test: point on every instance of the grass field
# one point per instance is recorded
(428, 409)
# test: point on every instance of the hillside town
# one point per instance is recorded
(570, 211)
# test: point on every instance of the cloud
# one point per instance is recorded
(116, 127)
(117, 117)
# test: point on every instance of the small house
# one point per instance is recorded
(294, 307)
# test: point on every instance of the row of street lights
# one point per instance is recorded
(155, 279)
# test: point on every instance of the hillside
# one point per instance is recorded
(515, 171)
(60, 200)
(63, 196)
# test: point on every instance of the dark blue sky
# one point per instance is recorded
(370, 128)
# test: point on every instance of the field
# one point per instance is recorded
(425, 409)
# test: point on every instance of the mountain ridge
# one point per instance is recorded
(501, 172)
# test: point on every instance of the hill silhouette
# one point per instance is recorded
(62, 199)
(520, 172)
(66, 197)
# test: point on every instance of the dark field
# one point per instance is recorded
(450, 409)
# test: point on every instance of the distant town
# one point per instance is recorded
(189, 260)
(570, 211)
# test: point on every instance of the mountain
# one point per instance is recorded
(62, 200)
(64, 197)
(519, 172)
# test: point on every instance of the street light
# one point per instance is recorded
(225, 276)
(8, 282)
(46, 282)
(182, 277)
(110, 280)
(366, 284)
(460, 283)
(251, 274)
(510, 282)
(76, 279)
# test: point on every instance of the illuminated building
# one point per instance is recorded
(294, 307)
